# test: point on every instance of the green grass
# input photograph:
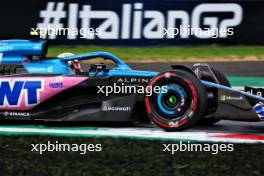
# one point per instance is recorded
(212, 53)
(124, 157)
(246, 81)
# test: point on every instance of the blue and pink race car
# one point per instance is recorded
(34, 87)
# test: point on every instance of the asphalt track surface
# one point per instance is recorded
(254, 69)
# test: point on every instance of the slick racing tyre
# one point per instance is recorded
(180, 103)
(210, 119)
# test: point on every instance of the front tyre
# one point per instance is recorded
(180, 103)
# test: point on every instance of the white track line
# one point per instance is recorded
(143, 133)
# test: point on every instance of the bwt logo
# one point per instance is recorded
(13, 92)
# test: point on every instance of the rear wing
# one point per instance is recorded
(15, 51)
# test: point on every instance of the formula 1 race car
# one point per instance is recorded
(36, 88)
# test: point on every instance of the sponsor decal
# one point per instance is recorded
(227, 97)
(56, 85)
(4, 46)
(134, 80)
(41, 69)
(111, 108)
(50, 69)
(24, 93)
(37, 69)
(13, 92)
(16, 114)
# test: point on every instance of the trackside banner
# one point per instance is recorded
(135, 23)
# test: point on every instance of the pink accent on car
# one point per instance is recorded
(50, 86)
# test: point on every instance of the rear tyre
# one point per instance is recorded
(179, 104)
(210, 119)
